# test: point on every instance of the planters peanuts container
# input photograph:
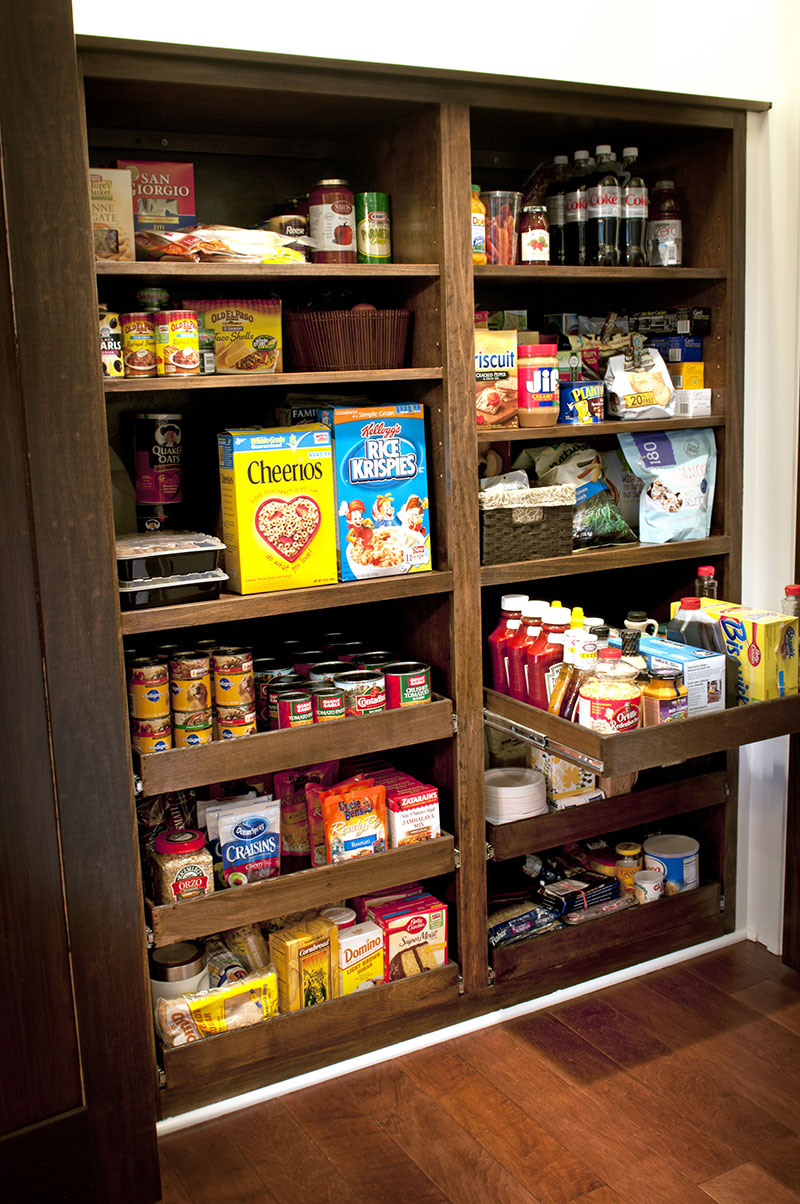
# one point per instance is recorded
(678, 857)
(580, 402)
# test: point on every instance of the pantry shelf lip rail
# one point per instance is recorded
(587, 275)
(586, 430)
(529, 735)
(159, 270)
(265, 379)
(594, 560)
(222, 760)
(230, 608)
(299, 891)
(661, 745)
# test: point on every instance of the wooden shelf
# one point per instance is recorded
(290, 1045)
(552, 273)
(595, 560)
(609, 815)
(661, 745)
(269, 379)
(232, 607)
(182, 768)
(300, 891)
(555, 959)
(609, 427)
(266, 271)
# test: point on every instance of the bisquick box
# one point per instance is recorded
(415, 935)
(677, 348)
(692, 403)
(703, 672)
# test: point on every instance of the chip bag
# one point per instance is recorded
(642, 389)
(678, 471)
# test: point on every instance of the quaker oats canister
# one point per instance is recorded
(157, 459)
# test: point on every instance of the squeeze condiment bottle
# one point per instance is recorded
(510, 612)
(548, 650)
(585, 665)
(566, 673)
(517, 648)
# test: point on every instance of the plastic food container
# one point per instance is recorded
(166, 554)
(502, 218)
(169, 591)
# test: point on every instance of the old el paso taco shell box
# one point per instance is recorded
(277, 507)
(381, 490)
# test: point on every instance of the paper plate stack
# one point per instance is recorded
(513, 794)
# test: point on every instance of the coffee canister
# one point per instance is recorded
(178, 969)
(678, 857)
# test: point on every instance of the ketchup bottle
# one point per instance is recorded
(510, 612)
(516, 650)
(548, 650)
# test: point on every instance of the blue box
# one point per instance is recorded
(703, 672)
(678, 348)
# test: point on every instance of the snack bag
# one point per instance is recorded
(355, 821)
(206, 1013)
(624, 486)
(249, 834)
(645, 391)
(290, 785)
(678, 471)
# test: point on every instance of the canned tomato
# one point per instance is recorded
(373, 228)
(138, 344)
(152, 735)
(327, 702)
(190, 681)
(293, 709)
(191, 728)
(364, 691)
(349, 650)
(270, 693)
(110, 343)
(408, 683)
(177, 343)
(233, 676)
(332, 222)
(304, 658)
(148, 688)
(157, 459)
(374, 660)
(324, 670)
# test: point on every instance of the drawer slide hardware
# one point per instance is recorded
(536, 740)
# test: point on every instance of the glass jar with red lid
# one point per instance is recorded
(332, 222)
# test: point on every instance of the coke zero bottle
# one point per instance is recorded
(603, 211)
(633, 229)
(575, 211)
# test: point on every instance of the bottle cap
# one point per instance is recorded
(609, 654)
(602, 150)
(476, 187)
(628, 849)
(691, 604)
(665, 184)
(556, 616)
(629, 641)
(581, 154)
(705, 570)
(513, 601)
(630, 152)
(601, 631)
(791, 591)
(637, 616)
(534, 610)
(561, 159)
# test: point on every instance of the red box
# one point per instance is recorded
(163, 194)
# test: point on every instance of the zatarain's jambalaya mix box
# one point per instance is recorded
(278, 515)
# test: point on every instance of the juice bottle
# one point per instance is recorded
(510, 612)
(586, 653)
(695, 626)
(548, 650)
(478, 226)
(517, 647)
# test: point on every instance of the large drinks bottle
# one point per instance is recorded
(633, 229)
(603, 209)
(693, 625)
(664, 227)
(555, 199)
(575, 211)
(510, 622)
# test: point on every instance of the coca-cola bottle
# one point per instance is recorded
(664, 227)
(555, 199)
(575, 211)
(603, 204)
(633, 228)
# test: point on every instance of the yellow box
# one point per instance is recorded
(562, 778)
(111, 199)
(278, 511)
(687, 376)
(247, 334)
(764, 645)
(306, 956)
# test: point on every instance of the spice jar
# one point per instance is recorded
(182, 867)
(537, 384)
(629, 861)
(610, 701)
(332, 222)
(664, 698)
(534, 235)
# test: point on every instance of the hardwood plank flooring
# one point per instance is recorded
(682, 1087)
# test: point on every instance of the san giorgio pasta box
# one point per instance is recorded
(381, 475)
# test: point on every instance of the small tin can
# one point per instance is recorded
(349, 650)
(374, 660)
(293, 709)
(148, 688)
(138, 344)
(324, 670)
(190, 681)
(364, 691)
(152, 299)
(177, 344)
(233, 676)
(110, 343)
(268, 712)
(206, 341)
(373, 228)
(305, 658)
(327, 703)
(233, 722)
(152, 735)
(408, 684)
(207, 644)
(190, 728)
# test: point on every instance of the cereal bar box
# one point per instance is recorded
(112, 214)
(163, 194)
(381, 490)
(277, 507)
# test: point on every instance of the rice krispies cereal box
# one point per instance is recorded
(277, 507)
(381, 490)
(415, 935)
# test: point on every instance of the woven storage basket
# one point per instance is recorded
(340, 340)
(526, 524)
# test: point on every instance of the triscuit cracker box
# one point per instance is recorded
(496, 378)
(277, 507)
(764, 646)
(112, 214)
(381, 490)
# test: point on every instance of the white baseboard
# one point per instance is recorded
(261, 1094)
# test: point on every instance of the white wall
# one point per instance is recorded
(717, 47)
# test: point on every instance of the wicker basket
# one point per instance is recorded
(526, 524)
(340, 340)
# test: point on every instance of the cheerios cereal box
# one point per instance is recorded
(278, 514)
(381, 490)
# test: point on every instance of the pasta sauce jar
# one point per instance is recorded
(332, 222)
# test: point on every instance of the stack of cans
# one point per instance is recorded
(190, 695)
(148, 703)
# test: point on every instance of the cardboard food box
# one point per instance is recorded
(163, 194)
(361, 957)
(248, 335)
(692, 403)
(678, 348)
(412, 814)
(703, 672)
(112, 214)
(415, 936)
(381, 480)
(277, 507)
(687, 375)
(306, 956)
(496, 378)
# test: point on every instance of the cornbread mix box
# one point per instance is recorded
(415, 935)
(277, 507)
(163, 194)
(112, 214)
(381, 490)
(306, 956)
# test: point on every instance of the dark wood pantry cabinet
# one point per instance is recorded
(258, 128)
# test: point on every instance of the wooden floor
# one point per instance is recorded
(682, 1087)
